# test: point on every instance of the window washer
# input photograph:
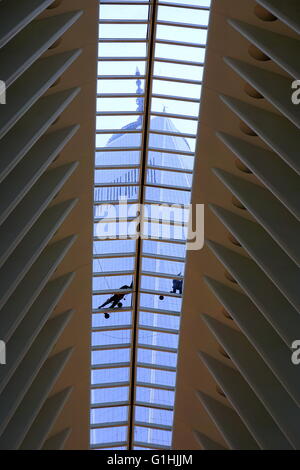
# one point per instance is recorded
(177, 285)
(115, 300)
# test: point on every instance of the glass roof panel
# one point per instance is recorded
(146, 122)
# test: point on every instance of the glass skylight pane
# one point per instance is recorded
(183, 15)
(180, 107)
(124, 67)
(159, 320)
(171, 33)
(152, 301)
(124, 141)
(113, 264)
(114, 434)
(111, 394)
(129, 12)
(154, 416)
(198, 3)
(170, 196)
(123, 49)
(112, 176)
(109, 415)
(187, 72)
(192, 54)
(166, 249)
(169, 178)
(117, 158)
(117, 86)
(156, 376)
(120, 318)
(152, 436)
(114, 246)
(152, 395)
(110, 31)
(100, 338)
(163, 266)
(155, 338)
(110, 193)
(170, 88)
(168, 160)
(116, 374)
(110, 356)
(160, 358)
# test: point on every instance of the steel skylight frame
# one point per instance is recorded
(139, 254)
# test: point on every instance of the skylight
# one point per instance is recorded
(150, 70)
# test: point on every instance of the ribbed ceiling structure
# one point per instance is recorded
(245, 390)
(42, 265)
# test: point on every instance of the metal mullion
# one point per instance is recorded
(163, 240)
(115, 255)
(112, 273)
(161, 292)
(166, 222)
(108, 347)
(119, 77)
(173, 133)
(180, 43)
(100, 386)
(176, 98)
(117, 167)
(112, 291)
(167, 168)
(161, 311)
(113, 365)
(181, 25)
(162, 427)
(160, 367)
(164, 257)
(158, 329)
(118, 149)
(122, 58)
(118, 95)
(118, 131)
(109, 404)
(154, 405)
(98, 329)
(129, 2)
(113, 202)
(179, 62)
(175, 152)
(109, 445)
(174, 116)
(112, 185)
(183, 5)
(177, 80)
(112, 310)
(118, 219)
(168, 186)
(161, 275)
(169, 388)
(119, 113)
(124, 21)
(133, 40)
(108, 424)
(157, 348)
(148, 445)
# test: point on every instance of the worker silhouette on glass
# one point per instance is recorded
(176, 286)
(115, 300)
